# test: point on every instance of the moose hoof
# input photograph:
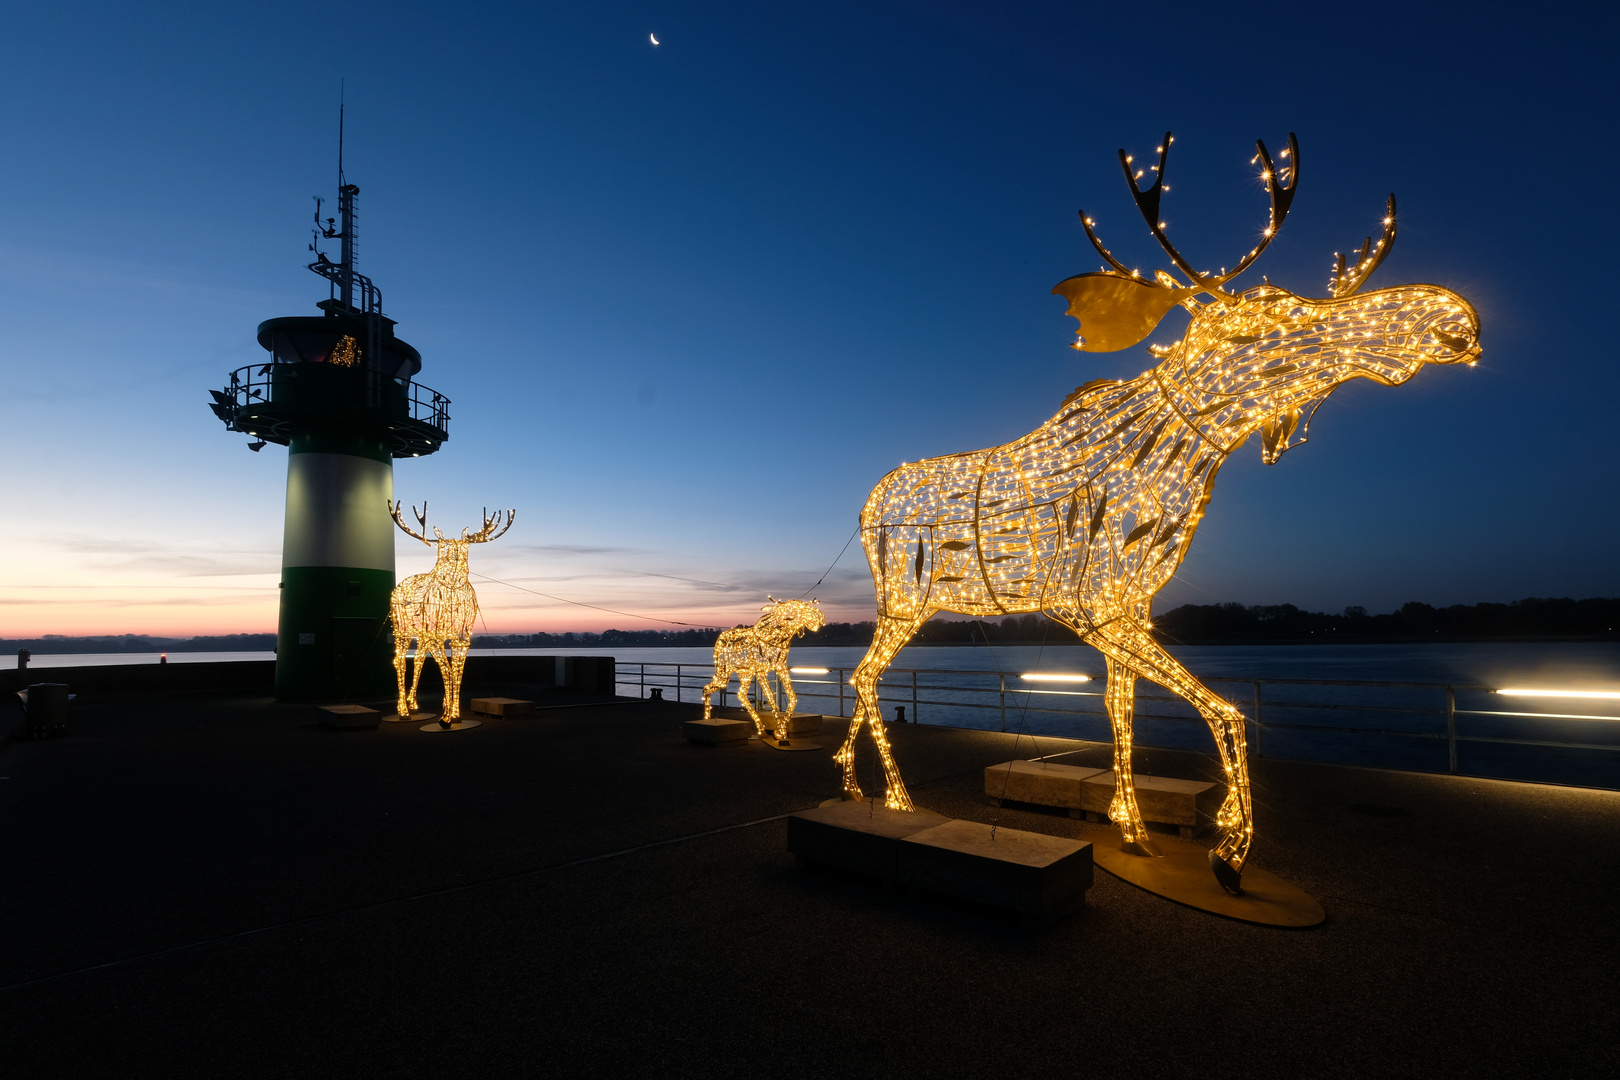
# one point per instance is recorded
(1140, 846)
(1231, 880)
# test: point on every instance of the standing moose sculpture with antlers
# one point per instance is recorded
(438, 610)
(1088, 516)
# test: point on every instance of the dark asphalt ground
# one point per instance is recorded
(218, 887)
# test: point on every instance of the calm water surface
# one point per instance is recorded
(1404, 727)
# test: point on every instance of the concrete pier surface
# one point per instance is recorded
(220, 886)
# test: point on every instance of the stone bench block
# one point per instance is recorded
(799, 725)
(1184, 803)
(1039, 876)
(718, 732)
(504, 707)
(349, 716)
(1041, 783)
(859, 836)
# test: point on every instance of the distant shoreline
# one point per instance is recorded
(1529, 620)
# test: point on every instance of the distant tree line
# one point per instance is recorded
(139, 643)
(1192, 624)
(1533, 618)
(1010, 629)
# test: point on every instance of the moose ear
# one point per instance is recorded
(1115, 311)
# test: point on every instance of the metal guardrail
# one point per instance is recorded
(1431, 711)
(252, 385)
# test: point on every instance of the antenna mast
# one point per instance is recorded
(345, 279)
(346, 194)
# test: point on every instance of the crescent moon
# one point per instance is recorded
(654, 38)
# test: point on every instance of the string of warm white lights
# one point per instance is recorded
(1088, 516)
(438, 610)
(754, 652)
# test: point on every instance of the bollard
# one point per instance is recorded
(899, 714)
(23, 656)
(45, 708)
(657, 694)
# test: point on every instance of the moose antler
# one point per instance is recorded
(489, 532)
(421, 516)
(1346, 281)
(1282, 198)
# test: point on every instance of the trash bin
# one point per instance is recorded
(45, 709)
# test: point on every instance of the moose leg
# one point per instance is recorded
(765, 690)
(1120, 696)
(1126, 640)
(792, 701)
(721, 678)
(404, 701)
(779, 727)
(744, 678)
(429, 649)
(417, 664)
(457, 648)
(892, 635)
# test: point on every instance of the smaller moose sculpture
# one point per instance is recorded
(756, 651)
(438, 610)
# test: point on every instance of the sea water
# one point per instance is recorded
(1428, 708)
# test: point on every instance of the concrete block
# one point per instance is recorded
(859, 836)
(1041, 783)
(504, 707)
(799, 725)
(1034, 874)
(718, 732)
(349, 716)
(1185, 803)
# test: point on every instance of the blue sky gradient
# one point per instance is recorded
(692, 301)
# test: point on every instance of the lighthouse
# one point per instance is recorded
(340, 393)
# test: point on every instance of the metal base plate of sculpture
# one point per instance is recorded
(1088, 516)
(759, 651)
(415, 717)
(438, 611)
(787, 744)
(1181, 873)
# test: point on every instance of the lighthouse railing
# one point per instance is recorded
(258, 386)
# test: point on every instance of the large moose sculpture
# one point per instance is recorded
(1088, 516)
(438, 610)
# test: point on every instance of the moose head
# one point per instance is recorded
(452, 564)
(792, 617)
(1265, 359)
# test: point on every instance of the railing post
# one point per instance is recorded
(643, 676)
(1003, 702)
(840, 691)
(1259, 724)
(677, 682)
(1451, 729)
(914, 697)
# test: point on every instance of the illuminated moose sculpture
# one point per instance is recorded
(1088, 516)
(755, 651)
(438, 610)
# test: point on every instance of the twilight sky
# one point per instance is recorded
(692, 301)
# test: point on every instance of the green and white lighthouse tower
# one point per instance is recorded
(340, 393)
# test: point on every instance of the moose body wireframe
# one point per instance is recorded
(1088, 516)
(756, 651)
(438, 610)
